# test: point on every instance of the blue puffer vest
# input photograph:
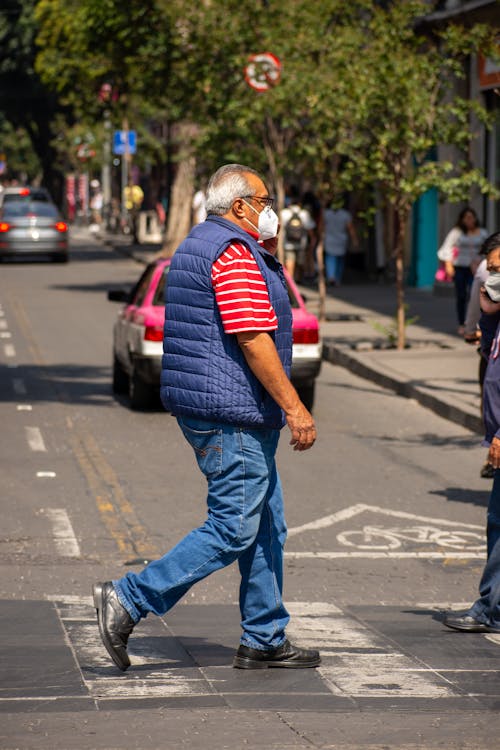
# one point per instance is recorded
(204, 373)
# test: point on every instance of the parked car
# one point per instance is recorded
(138, 339)
(29, 226)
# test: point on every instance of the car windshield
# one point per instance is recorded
(33, 208)
(159, 298)
(27, 195)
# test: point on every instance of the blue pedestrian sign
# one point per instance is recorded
(120, 142)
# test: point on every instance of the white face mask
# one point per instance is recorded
(492, 286)
(268, 222)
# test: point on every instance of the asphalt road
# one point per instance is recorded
(386, 517)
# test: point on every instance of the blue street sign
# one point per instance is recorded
(120, 141)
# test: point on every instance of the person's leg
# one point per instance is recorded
(236, 495)
(340, 268)
(329, 268)
(489, 586)
(460, 281)
(263, 614)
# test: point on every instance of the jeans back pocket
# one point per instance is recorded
(207, 446)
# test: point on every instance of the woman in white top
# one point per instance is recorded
(460, 253)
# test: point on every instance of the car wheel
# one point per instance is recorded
(306, 395)
(140, 393)
(120, 377)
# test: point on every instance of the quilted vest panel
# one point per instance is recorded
(204, 372)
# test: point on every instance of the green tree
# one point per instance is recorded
(25, 102)
(405, 107)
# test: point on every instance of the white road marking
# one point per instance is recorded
(9, 350)
(357, 662)
(78, 619)
(64, 536)
(42, 474)
(19, 386)
(5, 335)
(3, 325)
(390, 555)
(35, 439)
(24, 407)
(438, 539)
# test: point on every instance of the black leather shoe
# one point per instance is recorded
(115, 623)
(286, 655)
(467, 623)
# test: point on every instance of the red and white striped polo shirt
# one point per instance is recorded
(241, 292)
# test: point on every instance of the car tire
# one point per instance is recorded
(306, 395)
(120, 377)
(140, 393)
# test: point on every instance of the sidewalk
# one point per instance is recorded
(438, 369)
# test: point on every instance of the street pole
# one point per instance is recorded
(106, 171)
(125, 171)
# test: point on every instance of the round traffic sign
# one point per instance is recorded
(263, 71)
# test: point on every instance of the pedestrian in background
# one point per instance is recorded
(225, 377)
(460, 254)
(484, 615)
(338, 229)
(297, 226)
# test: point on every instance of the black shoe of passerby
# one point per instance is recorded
(487, 471)
(286, 656)
(467, 623)
(115, 623)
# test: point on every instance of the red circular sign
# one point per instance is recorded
(263, 71)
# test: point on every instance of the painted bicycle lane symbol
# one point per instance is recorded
(380, 538)
(371, 531)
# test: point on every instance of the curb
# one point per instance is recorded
(338, 355)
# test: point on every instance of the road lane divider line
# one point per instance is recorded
(62, 529)
(115, 510)
(9, 350)
(35, 439)
(3, 324)
(5, 335)
(25, 328)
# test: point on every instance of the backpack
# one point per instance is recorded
(294, 230)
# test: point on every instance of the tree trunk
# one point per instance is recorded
(180, 208)
(401, 219)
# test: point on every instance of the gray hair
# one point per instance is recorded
(227, 184)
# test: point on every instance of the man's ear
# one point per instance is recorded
(238, 208)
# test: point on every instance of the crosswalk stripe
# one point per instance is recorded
(357, 662)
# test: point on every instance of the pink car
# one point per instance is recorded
(138, 339)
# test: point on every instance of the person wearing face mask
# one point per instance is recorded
(225, 377)
(484, 615)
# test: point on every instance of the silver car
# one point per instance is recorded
(32, 227)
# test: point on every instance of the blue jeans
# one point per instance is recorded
(487, 608)
(334, 266)
(245, 522)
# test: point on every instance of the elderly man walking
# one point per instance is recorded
(225, 377)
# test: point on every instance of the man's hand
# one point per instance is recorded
(494, 453)
(302, 427)
(262, 358)
(487, 305)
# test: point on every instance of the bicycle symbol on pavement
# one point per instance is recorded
(379, 538)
